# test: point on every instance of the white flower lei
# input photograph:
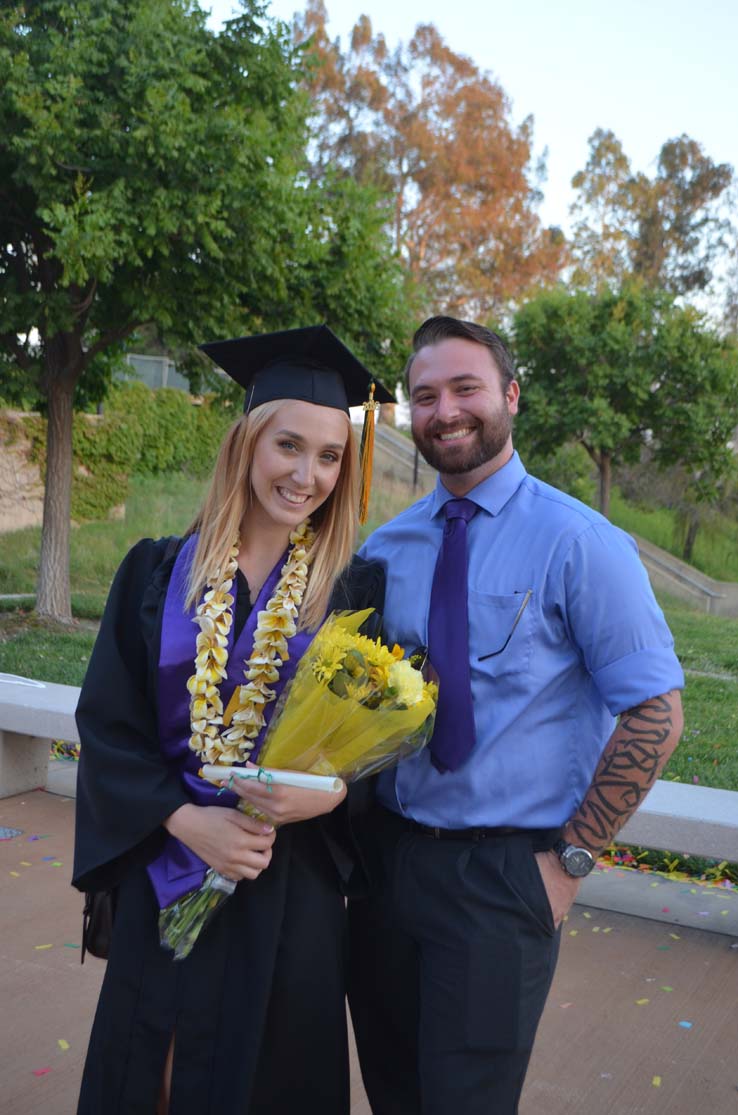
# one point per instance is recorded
(276, 624)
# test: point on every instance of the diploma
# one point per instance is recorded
(268, 776)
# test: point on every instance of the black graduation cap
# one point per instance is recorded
(309, 364)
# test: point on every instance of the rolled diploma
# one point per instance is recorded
(297, 778)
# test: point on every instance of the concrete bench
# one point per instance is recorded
(695, 820)
(32, 714)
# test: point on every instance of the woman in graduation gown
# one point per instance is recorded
(253, 1020)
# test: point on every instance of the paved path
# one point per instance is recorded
(614, 1038)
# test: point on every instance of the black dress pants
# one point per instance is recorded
(451, 961)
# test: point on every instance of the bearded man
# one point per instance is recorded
(559, 705)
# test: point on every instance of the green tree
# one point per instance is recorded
(620, 370)
(695, 397)
(668, 230)
(151, 172)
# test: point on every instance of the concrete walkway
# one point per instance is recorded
(642, 1017)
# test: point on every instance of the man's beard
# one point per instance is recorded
(450, 459)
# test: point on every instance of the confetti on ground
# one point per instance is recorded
(642, 1002)
(723, 913)
(675, 937)
(41, 1072)
(608, 930)
(664, 948)
(573, 932)
(665, 910)
(25, 863)
(656, 1081)
(69, 945)
(654, 884)
(667, 988)
(62, 1043)
(595, 928)
(565, 1005)
(46, 859)
(686, 1025)
(56, 863)
(15, 874)
(39, 947)
(8, 834)
(605, 1076)
(586, 915)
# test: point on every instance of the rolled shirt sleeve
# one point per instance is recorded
(614, 619)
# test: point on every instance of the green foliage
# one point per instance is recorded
(584, 369)
(619, 370)
(716, 548)
(568, 468)
(141, 433)
(155, 174)
(350, 277)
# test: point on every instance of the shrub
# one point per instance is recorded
(141, 433)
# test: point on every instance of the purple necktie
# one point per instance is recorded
(448, 642)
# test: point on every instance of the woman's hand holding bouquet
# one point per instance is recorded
(234, 845)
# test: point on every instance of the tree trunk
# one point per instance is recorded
(605, 468)
(693, 526)
(53, 594)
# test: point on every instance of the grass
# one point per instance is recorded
(708, 751)
(716, 546)
(31, 648)
(156, 507)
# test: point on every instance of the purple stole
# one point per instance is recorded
(177, 869)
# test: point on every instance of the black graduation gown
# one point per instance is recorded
(257, 1008)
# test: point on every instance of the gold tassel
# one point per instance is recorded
(367, 454)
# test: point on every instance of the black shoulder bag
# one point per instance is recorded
(97, 923)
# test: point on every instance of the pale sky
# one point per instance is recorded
(647, 69)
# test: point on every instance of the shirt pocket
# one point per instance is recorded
(500, 632)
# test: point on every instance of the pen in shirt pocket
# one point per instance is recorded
(516, 621)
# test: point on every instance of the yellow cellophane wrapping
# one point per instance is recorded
(318, 731)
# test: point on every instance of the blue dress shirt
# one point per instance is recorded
(591, 642)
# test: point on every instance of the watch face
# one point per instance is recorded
(578, 861)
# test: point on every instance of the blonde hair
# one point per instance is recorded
(230, 496)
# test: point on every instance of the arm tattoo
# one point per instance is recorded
(628, 767)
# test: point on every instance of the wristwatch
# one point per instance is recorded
(575, 861)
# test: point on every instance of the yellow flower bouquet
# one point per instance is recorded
(353, 707)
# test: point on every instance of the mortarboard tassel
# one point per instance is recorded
(367, 454)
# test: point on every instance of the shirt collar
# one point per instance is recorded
(491, 494)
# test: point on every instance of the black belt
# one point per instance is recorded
(476, 834)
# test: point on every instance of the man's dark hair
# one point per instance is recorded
(440, 328)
